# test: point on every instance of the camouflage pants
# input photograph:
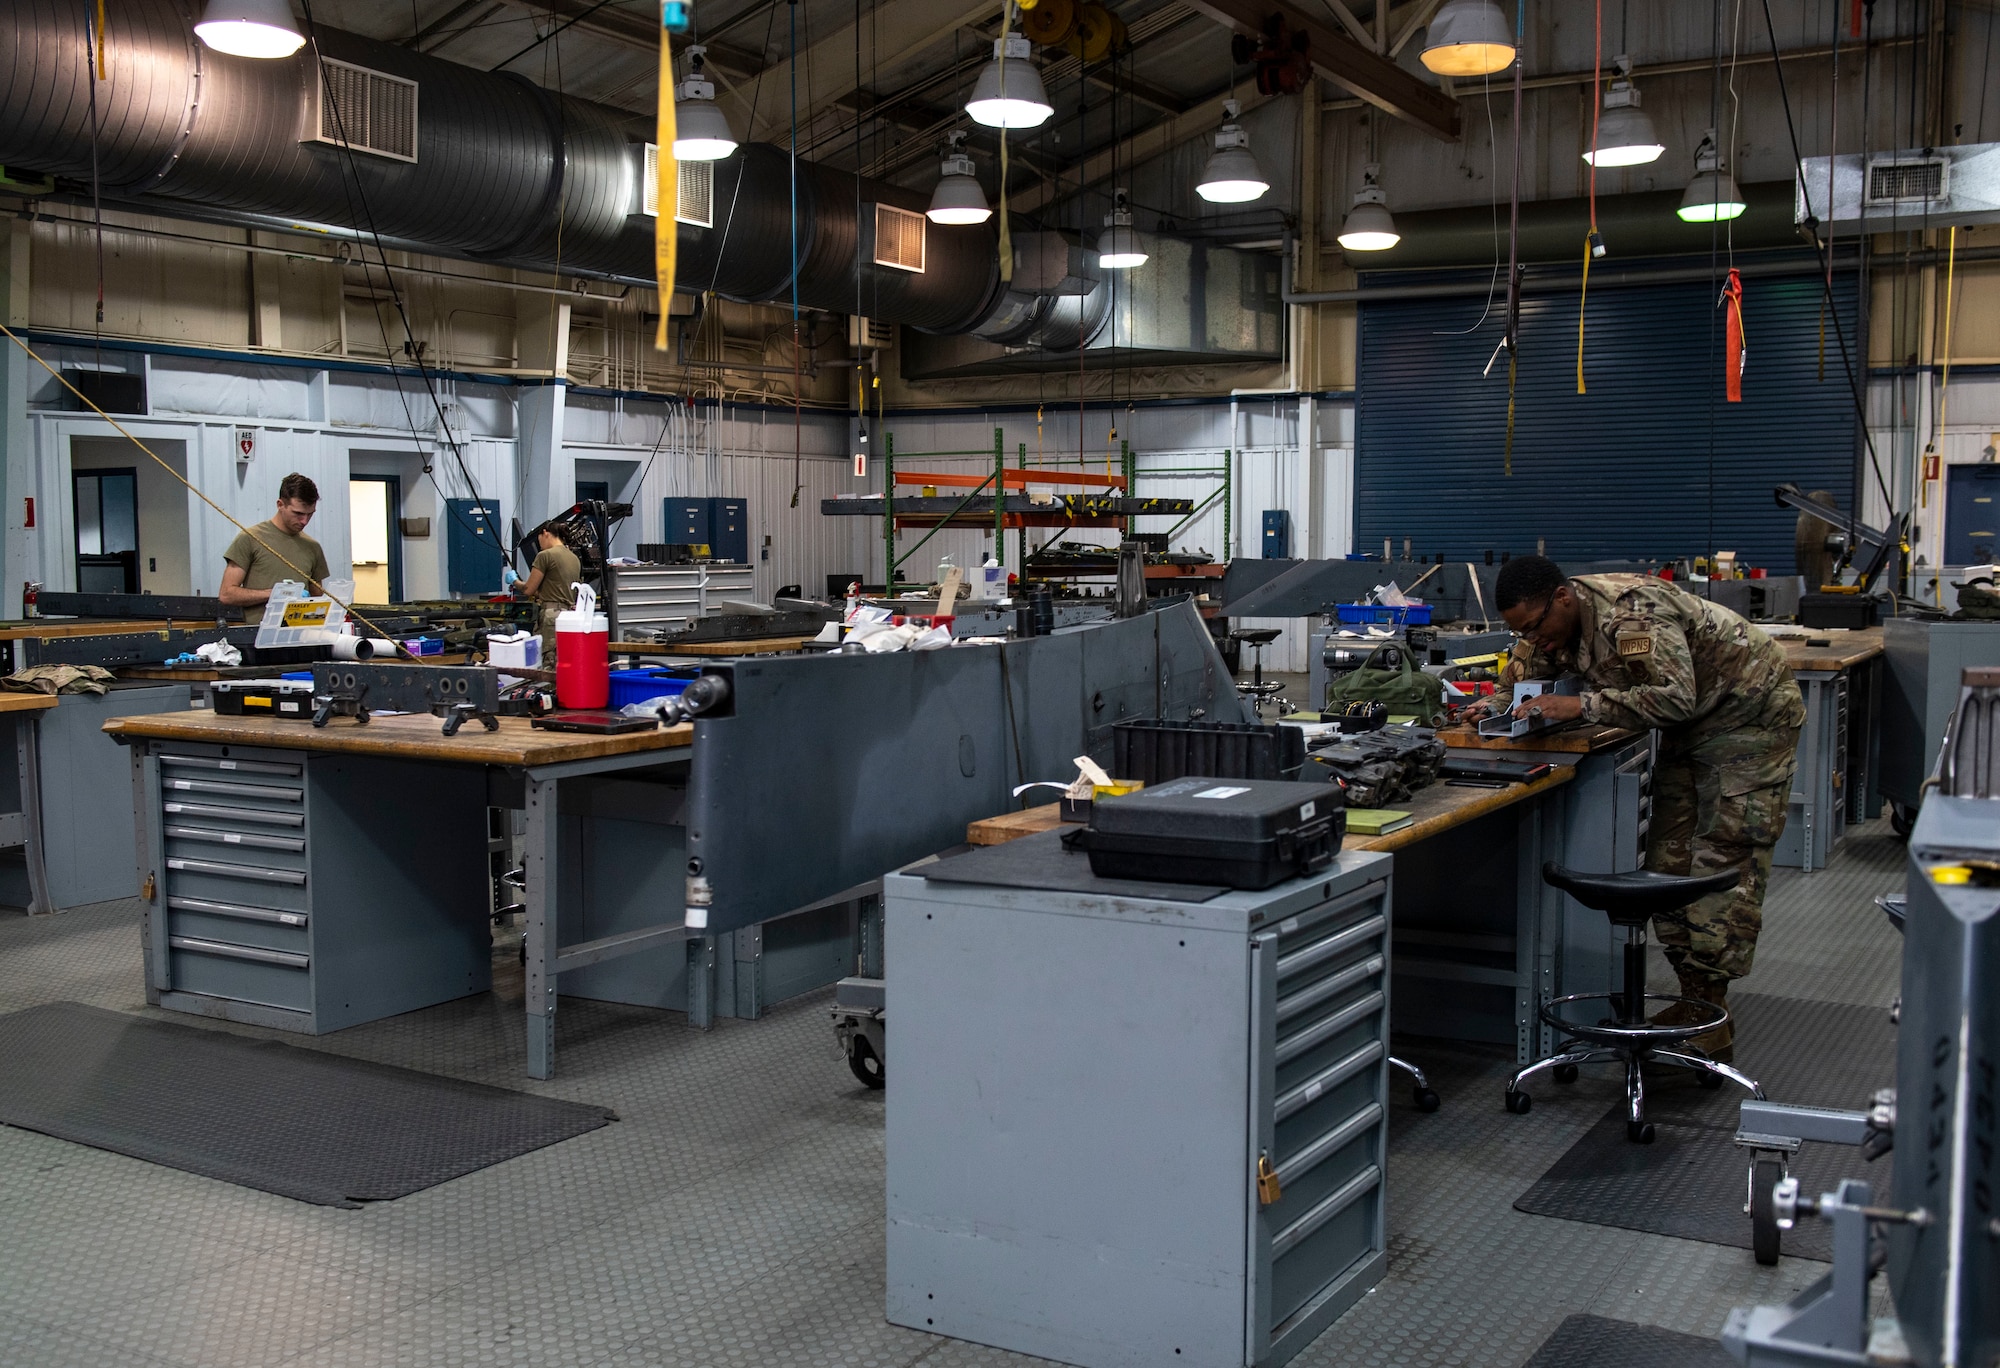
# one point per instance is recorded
(546, 625)
(1721, 806)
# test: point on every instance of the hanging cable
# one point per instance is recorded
(1590, 239)
(798, 449)
(1513, 338)
(1933, 461)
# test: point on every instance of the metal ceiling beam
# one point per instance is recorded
(1142, 146)
(1349, 65)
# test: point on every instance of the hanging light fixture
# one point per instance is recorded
(1232, 175)
(1369, 226)
(958, 198)
(1119, 248)
(250, 28)
(701, 129)
(1009, 91)
(1625, 135)
(1712, 196)
(1468, 38)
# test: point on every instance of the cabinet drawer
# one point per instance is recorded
(225, 815)
(282, 890)
(226, 765)
(256, 927)
(227, 971)
(233, 793)
(277, 852)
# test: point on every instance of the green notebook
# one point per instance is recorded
(1376, 821)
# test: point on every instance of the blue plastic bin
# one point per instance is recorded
(1382, 615)
(636, 686)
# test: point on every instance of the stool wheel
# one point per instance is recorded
(1640, 1132)
(1565, 1073)
(1426, 1100)
(1519, 1103)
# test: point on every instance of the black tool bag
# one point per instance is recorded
(1153, 751)
(1242, 833)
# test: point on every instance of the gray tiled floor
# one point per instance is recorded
(733, 1215)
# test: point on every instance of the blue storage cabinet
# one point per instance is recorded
(1277, 534)
(686, 522)
(472, 545)
(720, 524)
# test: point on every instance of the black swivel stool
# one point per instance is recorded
(1257, 638)
(1631, 901)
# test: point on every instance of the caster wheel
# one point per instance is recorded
(1711, 1081)
(1901, 819)
(1640, 1133)
(1565, 1073)
(865, 1063)
(1426, 1100)
(1764, 1232)
(1519, 1103)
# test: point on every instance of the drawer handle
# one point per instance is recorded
(280, 795)
(229, 814)
(238, 838)
(282, 958)
(1291, 1047)
(223, 909)
(1330, 1144)
(1316, 1087)
(1332, 986)
(1325, 1210)
(1321, 951)
(237, 871)
(237, 766)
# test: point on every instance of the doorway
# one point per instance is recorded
(107, 530)
(374, 503)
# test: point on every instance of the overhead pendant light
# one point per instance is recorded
(1119, 248)
(250, 28)
(1009, 91)
(1468, 38)
(701, 130)
(1625, 135)
(1712, 196)
(1369, 226)
(958, 198)
(1232, 175)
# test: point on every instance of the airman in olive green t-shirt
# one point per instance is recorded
(551, 585)
(275, 549)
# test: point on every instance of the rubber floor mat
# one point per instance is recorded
(298, 1122)
(1691, 1182)
(1595, 1342)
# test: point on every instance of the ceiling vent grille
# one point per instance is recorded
(1907, 182)
(366, 111)
(696, 202)
(899, 238)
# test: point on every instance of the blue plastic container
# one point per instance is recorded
(1382, 615)
(306, 675)
(636, 686)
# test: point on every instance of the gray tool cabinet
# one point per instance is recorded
(1087, 1090)
(277, 907)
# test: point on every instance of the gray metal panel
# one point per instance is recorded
(87, 831)
(1816, 816)
(1925, 660)
(827, 770)
(623, 858)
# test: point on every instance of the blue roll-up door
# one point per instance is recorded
(1650, 464)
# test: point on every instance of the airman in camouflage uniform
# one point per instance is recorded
(1728, 711)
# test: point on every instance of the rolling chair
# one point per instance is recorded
(1631, 901)
(1257, 638)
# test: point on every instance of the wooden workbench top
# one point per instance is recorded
(26, 702)
(1434, 809)
(411, 736)
(1845, 648)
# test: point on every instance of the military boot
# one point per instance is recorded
(1718, 1044)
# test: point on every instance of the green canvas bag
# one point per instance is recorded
(1397, 684)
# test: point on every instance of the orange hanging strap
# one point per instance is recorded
(1732, 358)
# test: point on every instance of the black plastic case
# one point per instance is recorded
(1242, 833)
(291, 698)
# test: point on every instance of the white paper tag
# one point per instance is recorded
(1288, 925)
(292, 919)
(1306, 812)
(179, 784)
(232, 838)
(1312, 1092)
(226, 764)
(1221, 792)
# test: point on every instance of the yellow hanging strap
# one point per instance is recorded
(1509, 458)
(102, 73)
(1006, 235)
(1581, 300)
(1934, 462)
(666, 227)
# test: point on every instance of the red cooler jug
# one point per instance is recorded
(583, 654)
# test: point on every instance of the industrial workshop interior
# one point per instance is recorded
(1125, 683)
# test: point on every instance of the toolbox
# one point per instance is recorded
(1242, 833)
(262, 698)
